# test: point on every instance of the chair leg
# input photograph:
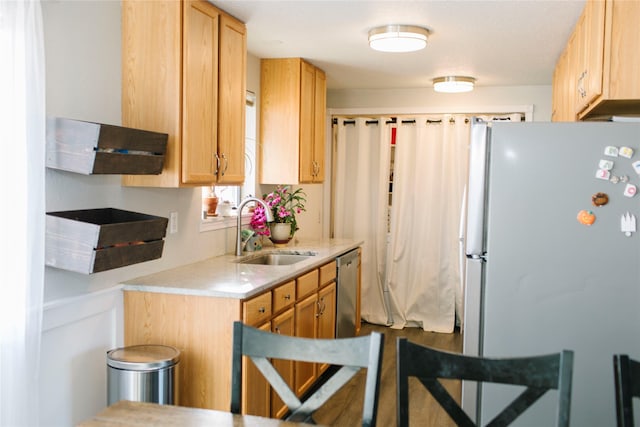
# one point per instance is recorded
(402, 400)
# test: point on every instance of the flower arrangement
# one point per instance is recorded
(284, 204)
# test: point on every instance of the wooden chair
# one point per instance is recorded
(538, 373)
(627, 379)
(352, 354)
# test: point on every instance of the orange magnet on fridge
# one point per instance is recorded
(586, 217)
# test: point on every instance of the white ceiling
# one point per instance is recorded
(499, 42)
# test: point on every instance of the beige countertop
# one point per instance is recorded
(223, 276)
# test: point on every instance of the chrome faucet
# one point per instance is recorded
(267, 211)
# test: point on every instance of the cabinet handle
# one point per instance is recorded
(321, 307)
(581, 90)
(217, 164)
(287, 297)
(262, 310)
(226, 164)
(277, 331)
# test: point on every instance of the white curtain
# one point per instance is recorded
(429, 178)
(361, 162)
(22, 136)
(417, 280)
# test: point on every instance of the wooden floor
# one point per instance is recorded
(345, 408)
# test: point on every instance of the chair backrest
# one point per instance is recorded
(627, 380)
(537, 373)
(352, 354)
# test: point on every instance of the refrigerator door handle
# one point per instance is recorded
(476, 198)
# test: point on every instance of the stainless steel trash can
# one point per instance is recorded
(144, 373)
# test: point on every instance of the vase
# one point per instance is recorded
(280, 233)
(210, 204)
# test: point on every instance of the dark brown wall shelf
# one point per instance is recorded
(94, 148)
(94, 240)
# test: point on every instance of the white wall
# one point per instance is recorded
(421, 99)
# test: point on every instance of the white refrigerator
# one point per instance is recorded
(553, 258)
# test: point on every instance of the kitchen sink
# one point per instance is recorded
(277, 258)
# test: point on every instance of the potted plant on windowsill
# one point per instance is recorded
(284, 205)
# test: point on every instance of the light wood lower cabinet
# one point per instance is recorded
(202, 329)
(255, 388)
(283, 324)
(326, 317)
(306, 327)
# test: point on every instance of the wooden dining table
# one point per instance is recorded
(127, 413)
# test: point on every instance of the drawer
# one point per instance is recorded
(327, 273)
(284, 295)
(306, 284)
(257, 310)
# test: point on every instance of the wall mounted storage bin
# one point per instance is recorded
(94, 240)
(94, 148)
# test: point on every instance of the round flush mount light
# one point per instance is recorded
(398, 38)
(453, 84)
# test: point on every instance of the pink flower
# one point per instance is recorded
(284, 204)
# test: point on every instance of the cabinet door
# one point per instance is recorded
(232, 92)
(151, 99)
(560, 96)
(200, 92)
(326, 317)
(319, 127)
(279, 120)
(282, 324)
(256, 391)
(589, 45)
(623, 82)
(307, 121)
(306, 326)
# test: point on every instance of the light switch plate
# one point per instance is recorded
(173, 222)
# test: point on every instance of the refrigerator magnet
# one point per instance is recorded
(626, 152)
(586, 217)
(630, 190)
(600, 199)
(605, 164)
(603, 174)
(636, 166)
(628, 224)
(611, 151)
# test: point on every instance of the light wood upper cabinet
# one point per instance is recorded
(232, 88)
(568, 80)
(292, 121)
(602, 59)
(184, 73)
(620, 83)
(588, 51)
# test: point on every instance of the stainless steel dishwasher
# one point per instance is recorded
(347, 274)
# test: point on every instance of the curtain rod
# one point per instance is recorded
(413, 121)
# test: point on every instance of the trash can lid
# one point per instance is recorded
(143, 357)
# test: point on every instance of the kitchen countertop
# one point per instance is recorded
(224, 277)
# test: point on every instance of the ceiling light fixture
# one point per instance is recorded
(453, 84)
(398, 38)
